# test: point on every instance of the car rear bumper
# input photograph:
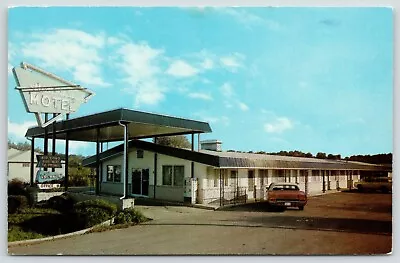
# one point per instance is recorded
(289, 203)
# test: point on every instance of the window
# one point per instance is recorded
(285, 187)
(26, 165)
(114, 173)
(179, 172)
(225, 177)
(303, 174)
(167, 175)
(287, 175)
(280, 175)
(215, 178)
(233, 179)
(173, 175)
(250, 177)
(315, 176)
(139, 154)
(263, 177)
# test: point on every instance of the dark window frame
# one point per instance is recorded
(111, 177)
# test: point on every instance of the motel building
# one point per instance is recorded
(207, 175)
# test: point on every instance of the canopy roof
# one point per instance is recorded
(140, 125)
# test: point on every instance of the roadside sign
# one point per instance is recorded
(46, 176)
(49, 161)
(44, 92)
(48, 186)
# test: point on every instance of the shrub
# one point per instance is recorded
(16, 187)
(62, 203)
(31, 194)
(93, 212)
(99, 203)
(16, 203)
(129, 215)
(123, 218)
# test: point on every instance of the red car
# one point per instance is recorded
(286, 195)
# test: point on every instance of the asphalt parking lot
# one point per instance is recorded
(331, 224)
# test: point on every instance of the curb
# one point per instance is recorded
(76, 233)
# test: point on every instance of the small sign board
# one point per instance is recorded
(49, 161)
(48, 186)
(46, 176)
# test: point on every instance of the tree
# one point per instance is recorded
(22, 146)
(178, 141)
(321, 155)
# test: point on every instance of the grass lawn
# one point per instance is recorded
(33, 223)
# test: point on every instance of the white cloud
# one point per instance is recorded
(9, 69)
(227, 90)
(140, 64)
(11, 54)
(228, 104)
(207, 63)
(139, 61)
(303, 84)
(206, 81)
(73, 146)
(243, 106)
(69, 50)
(198, 95)
(180, 68)
(232, 62)
(114, 41)
(279, 125)
(18, 130)
(212, 119)
(249, 19)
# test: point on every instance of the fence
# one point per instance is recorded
(233, 195)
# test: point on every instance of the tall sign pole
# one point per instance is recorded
(45, 93)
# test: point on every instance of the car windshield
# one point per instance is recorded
(284, 187)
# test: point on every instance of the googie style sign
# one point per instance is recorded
(44, 92)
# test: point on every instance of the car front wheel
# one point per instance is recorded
(301, 208)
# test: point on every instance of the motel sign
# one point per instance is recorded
(44, 92)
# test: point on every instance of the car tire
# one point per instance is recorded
(301, 208)
(360, 188)
(384, 190)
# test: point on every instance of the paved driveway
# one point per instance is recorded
(343, 223)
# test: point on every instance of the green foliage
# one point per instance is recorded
(78, 175)
(93, 212)
(321, 155)
(17, 233)
(179, 141)
(63, 203)
(16, 203)
(16, 187)
(22, 146)
(292, 153)
(129, 215)
(103, 228)
(385, 158)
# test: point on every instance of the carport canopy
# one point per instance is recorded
(107, 126)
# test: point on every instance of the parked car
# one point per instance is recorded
(286, 195)
(383, 184)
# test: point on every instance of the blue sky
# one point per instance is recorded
(271, 79)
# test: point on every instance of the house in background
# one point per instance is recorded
(19, 163)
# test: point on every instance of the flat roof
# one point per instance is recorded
(140, 125)
(238, 160)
